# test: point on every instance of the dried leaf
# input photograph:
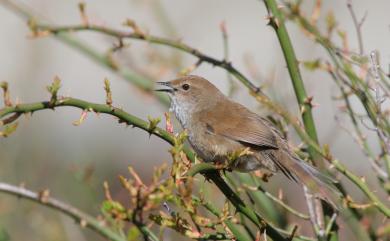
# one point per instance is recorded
(9, 129)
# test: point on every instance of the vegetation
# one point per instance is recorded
(175, 198)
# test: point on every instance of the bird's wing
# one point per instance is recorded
(240, 125)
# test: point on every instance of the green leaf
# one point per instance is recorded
(133, 234)
(107, 206)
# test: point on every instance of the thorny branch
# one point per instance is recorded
(45, 199)
(129, 119)
(255, 91)
(341, 61)
(38, 29)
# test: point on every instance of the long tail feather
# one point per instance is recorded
(320, 184)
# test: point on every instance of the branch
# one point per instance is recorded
(146, 84)
(83, 219)
(358, 26)
(129, 119)
(208, 167)
(137, 122)
(278, 201)
(233, 228)
(151, 39)
(304, 101)
(137, 80)
(276, 20)
(363, 186)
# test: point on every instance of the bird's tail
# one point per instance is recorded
(321, 185)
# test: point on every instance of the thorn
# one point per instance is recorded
(84, 17)
(363, 179)
(44, 195)
(83, 223)
(309, 101)
(276, 21)
(302, 109)
(6, 94)
(82, 118)
(272, 21)
(133, 25)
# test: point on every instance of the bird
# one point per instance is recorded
(218, 127)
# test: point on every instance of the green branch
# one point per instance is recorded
(125, 117)
(147, 84)
(304, 101)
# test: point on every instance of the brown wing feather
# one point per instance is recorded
(243, 125)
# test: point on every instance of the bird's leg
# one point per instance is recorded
(264, 174)
(221, 165)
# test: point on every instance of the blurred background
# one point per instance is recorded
(47, 151)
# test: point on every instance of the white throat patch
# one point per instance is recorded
(182, 112)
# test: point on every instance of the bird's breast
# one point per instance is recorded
(182, 113)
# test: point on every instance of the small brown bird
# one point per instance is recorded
(218, 127)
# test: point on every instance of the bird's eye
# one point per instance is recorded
(185, 86)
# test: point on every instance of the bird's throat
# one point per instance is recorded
(182, 112)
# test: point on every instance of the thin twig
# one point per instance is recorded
(82, 218)
(152, 39)
(293, 232)
(312, 212)
(226, 55)
(278, 201)
(358, 26)
(330, 224)
(362, 142)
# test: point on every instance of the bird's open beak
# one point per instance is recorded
(169, 88)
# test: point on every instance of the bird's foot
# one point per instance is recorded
(263, 175)
(223, 167)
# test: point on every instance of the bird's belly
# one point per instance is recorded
(213, 148)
